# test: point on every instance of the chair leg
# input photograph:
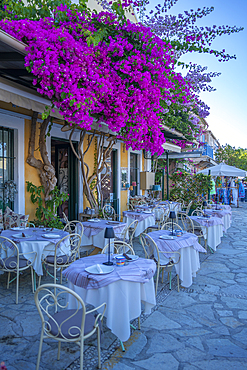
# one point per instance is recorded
(139, 323)
(17, 285)
(61, 276)
(59, 350)
(162, 275)
(99, 357)
(40, 349)
(8, 280)
(32, 278)
(81, 354)
(178, 282)
(157, 280)
(39, 280)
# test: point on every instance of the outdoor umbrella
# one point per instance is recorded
(223, 169)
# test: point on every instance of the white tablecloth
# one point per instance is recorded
(189, 262)
(225, 215)
(98, 240)
(212, 233)
(142, 225)
(123, 302)
(188, 265)
(38, 246)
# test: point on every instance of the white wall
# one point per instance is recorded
(16, 121)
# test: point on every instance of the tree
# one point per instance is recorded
(232, 156)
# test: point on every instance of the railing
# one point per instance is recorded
(208, 150)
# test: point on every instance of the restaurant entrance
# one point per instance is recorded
(109, 182)
(65, 164)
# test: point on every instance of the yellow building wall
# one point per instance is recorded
(143, 169)
(89, 159)
(123, 163)
(31, 173)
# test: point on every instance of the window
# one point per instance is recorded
(6, 164)
(133, 173)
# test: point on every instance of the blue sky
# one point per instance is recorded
(228, 105)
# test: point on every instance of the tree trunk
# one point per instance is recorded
(92, 184)
(44, 166)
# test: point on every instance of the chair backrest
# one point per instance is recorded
(10, 256)
(197, 212)
(188, 207)
(64, 252)
(149, 246)
(142, 202)
(159, 213)
(30, 224)
(152, 251)
(109, 212)
(168, 226)
(118, 247)
(187, 223)
(181, 202)
(65, 218)
(52, 303)
(74, 227)
(131, 230)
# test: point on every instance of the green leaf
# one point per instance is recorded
(63, 95)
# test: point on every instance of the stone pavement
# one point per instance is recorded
(202, 327)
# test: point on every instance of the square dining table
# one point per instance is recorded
(188, 247)
(94, 231)
(124, 289)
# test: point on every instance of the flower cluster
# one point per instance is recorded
(119, 80)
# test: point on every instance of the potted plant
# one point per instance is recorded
(46, 212)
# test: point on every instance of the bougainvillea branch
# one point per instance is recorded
(101, 68)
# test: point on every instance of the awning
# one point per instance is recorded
(11, 92)
(223, 169)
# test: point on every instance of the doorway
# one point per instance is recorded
(109, 183)
(133, 173)
(66, 167)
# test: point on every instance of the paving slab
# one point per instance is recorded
(201, 327)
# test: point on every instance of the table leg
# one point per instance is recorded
(122, 346)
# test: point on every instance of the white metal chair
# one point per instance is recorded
(30, 224)
(168, 226)
(63, 324)
(128, 233)
(186, 222)
(109, 212)
(197, 212)
(163, 263)
(62, 254)
(197, 228)
(118, 247)
(11, 260)
(188, 207)
(77, 227)
(159, 215)
(131, 231)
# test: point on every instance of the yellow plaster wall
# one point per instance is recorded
(89, 159)
(31, 173)
(124, 163)
(143, 169)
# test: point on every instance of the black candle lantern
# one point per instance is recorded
(172, 215)
(109, 234)
(216, 199)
